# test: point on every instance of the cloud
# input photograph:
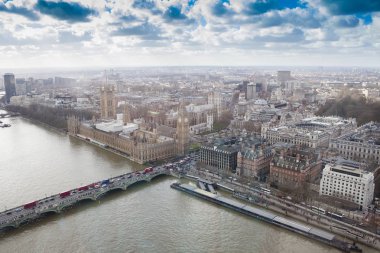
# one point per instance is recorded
(146, 5)
(174, 13)
(295, 35)
(187, 27)
(221, 8)
(22, 11)
(71, 12)
(367, 18)
(300, 18)
(145, 31)
(70, 37)
(347, 22)
(349, 7)
(259, 7)
(191, 3)
(128, 18)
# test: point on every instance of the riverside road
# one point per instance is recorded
(293, 210)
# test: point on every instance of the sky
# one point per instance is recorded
(122, 33)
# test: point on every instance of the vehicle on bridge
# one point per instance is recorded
(91, 186)
(30, 205)
(105, 182)
(147, 170)
(83, 188)
(64, 194)
(91, 191)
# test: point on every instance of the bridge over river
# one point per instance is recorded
(14, 217)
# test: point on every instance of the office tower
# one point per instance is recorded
(10, 86)
(283, 76)
(251, 91)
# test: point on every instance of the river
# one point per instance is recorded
(36, 161)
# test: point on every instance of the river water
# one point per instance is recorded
(36, 161)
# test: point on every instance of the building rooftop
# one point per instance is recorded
(368, 133)
(348, 167)
(294, 159)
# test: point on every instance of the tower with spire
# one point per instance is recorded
(182, 133)
(108, 102)
(126, 114)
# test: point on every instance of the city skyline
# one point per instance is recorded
(39, 33)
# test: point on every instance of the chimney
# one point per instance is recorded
(282, 153)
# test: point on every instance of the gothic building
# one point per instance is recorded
(126, 115)
(139, 144)
(182, 133)
(215, 98)
(108, 102)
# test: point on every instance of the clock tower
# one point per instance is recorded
(182, 133)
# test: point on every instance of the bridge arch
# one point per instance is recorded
(23, 221)
(9, 227)
(118, 188)
(86, 198)
(63, 206)
(158, 176)
(142, 181)
(50, 211)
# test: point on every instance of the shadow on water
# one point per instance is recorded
(158, 177)
(80, 206)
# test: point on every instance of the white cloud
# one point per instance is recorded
(232, 38)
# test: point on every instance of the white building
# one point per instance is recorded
(345, 180)
(311, 132)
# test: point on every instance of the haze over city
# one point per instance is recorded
(190, 126)
(195, 32)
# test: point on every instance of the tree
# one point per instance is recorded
(352, 106)
(223, 121)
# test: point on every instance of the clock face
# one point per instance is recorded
(179, 120)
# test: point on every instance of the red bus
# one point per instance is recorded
(147, 170)
(30, 205)
(65, 194)
(83, 188)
